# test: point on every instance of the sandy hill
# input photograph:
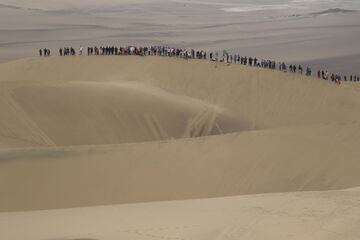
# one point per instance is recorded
(83, 131)
(328, 215)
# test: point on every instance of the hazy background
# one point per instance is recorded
(315, 32)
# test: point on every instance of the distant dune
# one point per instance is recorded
(9, 6)
(332, 11)
(47, 5)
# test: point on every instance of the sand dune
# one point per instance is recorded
(285, 132)
(333, 215)
(103, 108)
(46, 5)
(109, 148)
(100, 113)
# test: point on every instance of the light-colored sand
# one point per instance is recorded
(103, 106)
(333, 215)
(157, 148)
(285, 132)
(85, 131)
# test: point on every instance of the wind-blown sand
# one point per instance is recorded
(90, 131)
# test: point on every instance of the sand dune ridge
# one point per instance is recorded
(109, 130)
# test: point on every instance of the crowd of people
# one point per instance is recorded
(225, 57)
(67, 51)
(146, 51)
(44, 52)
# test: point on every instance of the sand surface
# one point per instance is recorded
(105, 148)
(95, 131)
(332, 215)
(110, 130)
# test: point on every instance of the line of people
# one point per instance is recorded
(67, 51)
(193, 54)
(44, 52)
(243, 60)
(147, 51)
(353, 78)
(337, 78)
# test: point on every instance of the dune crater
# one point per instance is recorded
(112, 100)
(84, 113)
(85, 131)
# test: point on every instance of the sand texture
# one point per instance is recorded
(160, 148)
(109, 130)
(333, 215)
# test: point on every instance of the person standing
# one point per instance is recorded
(81, 50)
(40, 52)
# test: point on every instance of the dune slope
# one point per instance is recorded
(331, 215)
(86, 131)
